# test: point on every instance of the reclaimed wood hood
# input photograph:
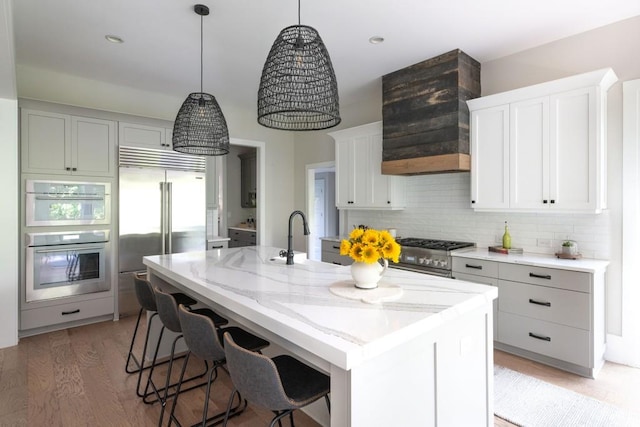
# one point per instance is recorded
(425, 115)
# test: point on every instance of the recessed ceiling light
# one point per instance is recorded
(113, 39)
(376, 40)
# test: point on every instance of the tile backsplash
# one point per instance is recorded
(438, 208)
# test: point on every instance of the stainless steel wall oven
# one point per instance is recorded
(63, 264)
(64, 203)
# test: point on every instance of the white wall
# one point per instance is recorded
(9, 177)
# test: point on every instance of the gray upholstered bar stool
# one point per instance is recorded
(205, 341)
(168, 312)
(147, 300)
(281, 384)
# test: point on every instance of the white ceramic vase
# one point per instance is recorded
(366, 275)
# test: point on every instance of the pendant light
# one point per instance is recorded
(200, 127)
(298, 88)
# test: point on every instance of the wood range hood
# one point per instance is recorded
(425, 117)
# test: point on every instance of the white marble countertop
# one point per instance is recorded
(537, 260)
(217, 239)
(295, 302)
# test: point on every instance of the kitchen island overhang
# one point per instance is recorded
(399, 361)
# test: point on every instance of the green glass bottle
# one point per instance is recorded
(506, 237)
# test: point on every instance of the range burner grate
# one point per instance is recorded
(444, 245)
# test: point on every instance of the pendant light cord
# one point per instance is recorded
(201, 54)
(298, 12)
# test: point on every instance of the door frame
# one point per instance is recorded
(260, 186)
(626, 347)
(311, 170)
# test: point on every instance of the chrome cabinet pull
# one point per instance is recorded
(539, 337)
(546, 304)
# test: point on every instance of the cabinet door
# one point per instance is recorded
(142, 136)
(93, 143)
(387, 191)
(490, 158)
(345, 170)
(573, 157)
(364, 184)
(529, 154)
(46, 142)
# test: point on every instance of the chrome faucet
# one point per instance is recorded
(290, 237)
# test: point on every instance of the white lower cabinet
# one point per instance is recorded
(49, 316)
(331, 253)
(551, 315)
(479, 271)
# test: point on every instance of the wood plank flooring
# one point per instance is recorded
(76, 377)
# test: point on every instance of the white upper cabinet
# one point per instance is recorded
(490, 158)
(542, 148)
(67, 145)
(359, 181)
(135, 135)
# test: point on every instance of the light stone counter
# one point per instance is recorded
(536, 260)
(381, 357)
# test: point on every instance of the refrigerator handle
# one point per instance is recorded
(163, 228)
(169, 225)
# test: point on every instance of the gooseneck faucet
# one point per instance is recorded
(290, 237)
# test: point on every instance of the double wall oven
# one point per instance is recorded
(67, 239)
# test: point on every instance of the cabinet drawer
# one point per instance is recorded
(330, 246)
(563, 279)
(557, 341)
(492, 281)
(218, 244)
(336, 259)
(47, 316)
(476, 267)
(549, 304)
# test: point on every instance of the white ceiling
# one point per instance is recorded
(162, 37)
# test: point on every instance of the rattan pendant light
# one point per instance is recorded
(200, 127)
(298, 88)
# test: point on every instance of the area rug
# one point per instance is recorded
(529, 402)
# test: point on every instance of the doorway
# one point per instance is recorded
(321, 205)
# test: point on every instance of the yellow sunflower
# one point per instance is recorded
(391, 250)
(370, 254)
(345, 247)
(371, 237)
(356, 234)
(356, 252)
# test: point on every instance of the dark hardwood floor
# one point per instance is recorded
(76, 377)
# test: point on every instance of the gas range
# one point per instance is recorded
(428, 255)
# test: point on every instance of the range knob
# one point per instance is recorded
(436, 263)
(422, 260)
(428, 261)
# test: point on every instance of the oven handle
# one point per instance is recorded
(69, 197)
(44, 251)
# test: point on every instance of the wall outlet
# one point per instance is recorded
(544, 243)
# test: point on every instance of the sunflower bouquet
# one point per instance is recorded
(370, 246)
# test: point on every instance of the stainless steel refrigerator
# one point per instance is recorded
(162, 210)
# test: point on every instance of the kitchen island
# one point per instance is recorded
(422, 359)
